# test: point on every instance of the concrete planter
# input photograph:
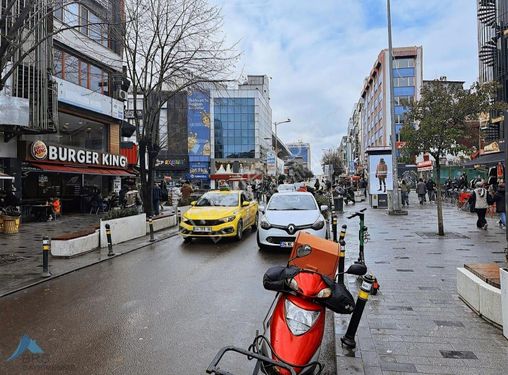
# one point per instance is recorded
(503, 272)
(481, 297)
(162, 223)
(75, 246)
(123, 229)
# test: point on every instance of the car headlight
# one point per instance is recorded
(324, 293)
(319, 224)
(228, 219)
(299, 320)
(265, 224)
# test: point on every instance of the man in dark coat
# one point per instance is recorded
(499, 199)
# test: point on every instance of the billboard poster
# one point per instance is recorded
(380, 174)
(198, 120)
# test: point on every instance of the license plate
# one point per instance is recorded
(286, 244)
(202, 229)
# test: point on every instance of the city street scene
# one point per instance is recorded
(249, 187)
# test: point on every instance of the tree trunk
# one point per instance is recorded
(440, 225)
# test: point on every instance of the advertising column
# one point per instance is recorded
(380, 179)
(198, 117)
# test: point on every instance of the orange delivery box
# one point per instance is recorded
(324, 257)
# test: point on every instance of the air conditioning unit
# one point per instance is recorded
(121, 95)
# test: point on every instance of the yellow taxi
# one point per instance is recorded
(219, 214)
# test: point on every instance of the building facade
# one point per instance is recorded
(408, 79)
(301, 150)
(90, 87)
(492, 20)
(241, 126)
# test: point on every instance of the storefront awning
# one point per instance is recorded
(77, 170)
(4, 176)
(486, 160)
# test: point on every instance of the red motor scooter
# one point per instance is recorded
(294, 325)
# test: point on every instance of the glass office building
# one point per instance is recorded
(234, 128)
(241, 125)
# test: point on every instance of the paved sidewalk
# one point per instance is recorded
(417, 323)
(21, 254)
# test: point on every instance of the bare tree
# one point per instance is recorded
(334, 158)
(170, 46)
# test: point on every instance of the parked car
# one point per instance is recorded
(219, 214)
(285, 215)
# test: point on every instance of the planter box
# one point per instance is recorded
(481, 297)
(75, 246)
(123, 229)
(162, 223)
(503, 273)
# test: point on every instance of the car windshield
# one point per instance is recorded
(289, 202)
(218, 199)
(286, 187)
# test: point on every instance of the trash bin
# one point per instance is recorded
(10, 224)
(338, 203)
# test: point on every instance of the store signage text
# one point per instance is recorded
(41, 151)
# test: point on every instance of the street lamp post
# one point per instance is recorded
(395, 209)
(276, 123)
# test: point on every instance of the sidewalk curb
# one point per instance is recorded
(52, 277)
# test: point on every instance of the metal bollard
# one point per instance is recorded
(45, 256)
(150, 224)
(110, 242)
(342, 253)
(334, 227)
(363, 295)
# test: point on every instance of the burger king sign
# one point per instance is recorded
(39, 150)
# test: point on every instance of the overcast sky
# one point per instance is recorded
(319, 52)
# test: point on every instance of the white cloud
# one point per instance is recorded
(319, 52)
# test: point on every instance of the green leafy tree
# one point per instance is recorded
(437, 122)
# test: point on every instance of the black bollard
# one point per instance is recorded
(363, 295)
(45, 257)
(342, 253)
(150, 224)
(334, 226)
(110, 242)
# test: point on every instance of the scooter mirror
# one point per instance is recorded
(357, 269)
(303, 251)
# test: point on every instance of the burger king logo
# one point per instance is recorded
(39, 150)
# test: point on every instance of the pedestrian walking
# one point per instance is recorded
(156, 198)
(404, 192)
(499, 200)
(431, 190)
(479, 202)
(421, 190)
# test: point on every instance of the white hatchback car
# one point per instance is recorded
(285, 215)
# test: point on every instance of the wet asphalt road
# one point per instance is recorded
(165, 309)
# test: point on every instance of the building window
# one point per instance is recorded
(403, 81)
(404, 63)
(234, 127)
(75, 70)
(90, 24)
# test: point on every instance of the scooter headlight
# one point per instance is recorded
(324, 293)
(299, 320)
(293, 285)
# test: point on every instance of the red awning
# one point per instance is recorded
(82, 170)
